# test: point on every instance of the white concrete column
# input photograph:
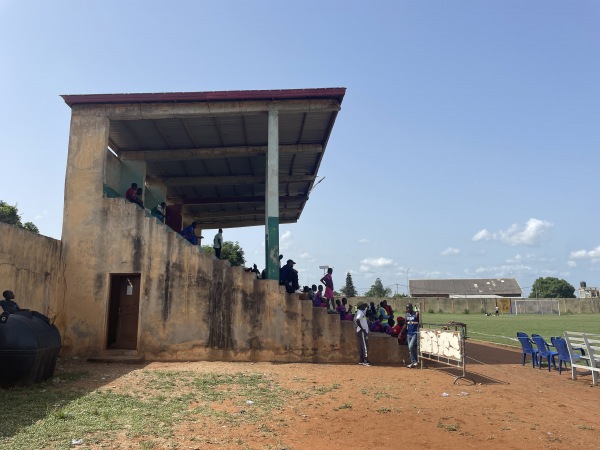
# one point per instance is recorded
(272, 198)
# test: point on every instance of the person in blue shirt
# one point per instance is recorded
(189, 233)
(412, 331)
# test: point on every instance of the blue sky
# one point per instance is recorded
(467, 145)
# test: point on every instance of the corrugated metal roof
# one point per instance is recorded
(213, 163)
(508, 287)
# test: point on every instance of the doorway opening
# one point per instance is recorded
(123, 312)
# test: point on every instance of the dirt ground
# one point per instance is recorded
(509, 406)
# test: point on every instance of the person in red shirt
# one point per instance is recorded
(131, 193)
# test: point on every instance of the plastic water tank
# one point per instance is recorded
(29, 348)
(582, 284)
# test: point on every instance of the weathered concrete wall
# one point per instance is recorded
(30, 266)
(476, 305)
(195, 307)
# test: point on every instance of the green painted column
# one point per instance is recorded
(272, 198)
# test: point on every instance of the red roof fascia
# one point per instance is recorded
(214, 96)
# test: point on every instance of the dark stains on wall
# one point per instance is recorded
(220, 308)
(138, 253)
(99, 285)
(166, 304)
(253, 305)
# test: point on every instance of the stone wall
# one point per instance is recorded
(30, 266)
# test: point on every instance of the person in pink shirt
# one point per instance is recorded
(327, 280)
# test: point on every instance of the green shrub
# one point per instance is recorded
(431, 311)
(466, 310)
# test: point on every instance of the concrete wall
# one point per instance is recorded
(477, 305)
(30, 266)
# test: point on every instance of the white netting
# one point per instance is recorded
(536, 306)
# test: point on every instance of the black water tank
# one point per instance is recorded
(29, 348)
(582, 284)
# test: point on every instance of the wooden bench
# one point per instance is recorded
(591, 344)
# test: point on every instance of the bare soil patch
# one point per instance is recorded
(351, 406)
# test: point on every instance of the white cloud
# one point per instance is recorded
(482, 235)
(586, 254)
(368, 264)
(364, 241)
(571, 264)
(450, 251)
(532, 233)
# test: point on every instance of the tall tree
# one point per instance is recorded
(10, 214)
(349, 290)
(230, 251)
(377, 290)
(551, 287)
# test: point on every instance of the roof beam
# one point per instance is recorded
(213, 152)
(137, 111)
(225, 200)
(203, 224)
(232, 180)
(210, 215)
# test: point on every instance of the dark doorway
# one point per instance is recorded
(124, 305)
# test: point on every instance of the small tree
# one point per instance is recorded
(349, 290)
(377, 290)
(230, 251)
(10, 214)
(551, 287)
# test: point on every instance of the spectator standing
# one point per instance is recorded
(218, 243)
(362, 334)
(288, 277)
(412, 332)
(327, 280)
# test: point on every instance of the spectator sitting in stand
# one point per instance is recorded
(189, 233)
(372, 312)
(255, 271)
(390, 326)
(340, 309)
(382, 311)
(159, 211)
(375, 326)
(318, 301)
(388, 309)
(304, 294)
(312, 292)
(131, 192)
(139, 195)
(8, 304)
(346, 312)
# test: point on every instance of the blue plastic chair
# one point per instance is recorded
(528, 349)
(544, 351)
(563, 352)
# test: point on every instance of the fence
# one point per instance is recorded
(439, 343)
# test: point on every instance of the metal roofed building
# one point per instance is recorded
(468, 287)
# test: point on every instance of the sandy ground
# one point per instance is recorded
(509, 406)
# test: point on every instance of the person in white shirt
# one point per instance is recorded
(362, 334)
(218, 243)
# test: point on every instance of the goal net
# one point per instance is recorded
(536, 306)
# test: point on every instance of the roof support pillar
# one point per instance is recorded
(272, 198)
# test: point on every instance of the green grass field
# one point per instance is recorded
(503, 329)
